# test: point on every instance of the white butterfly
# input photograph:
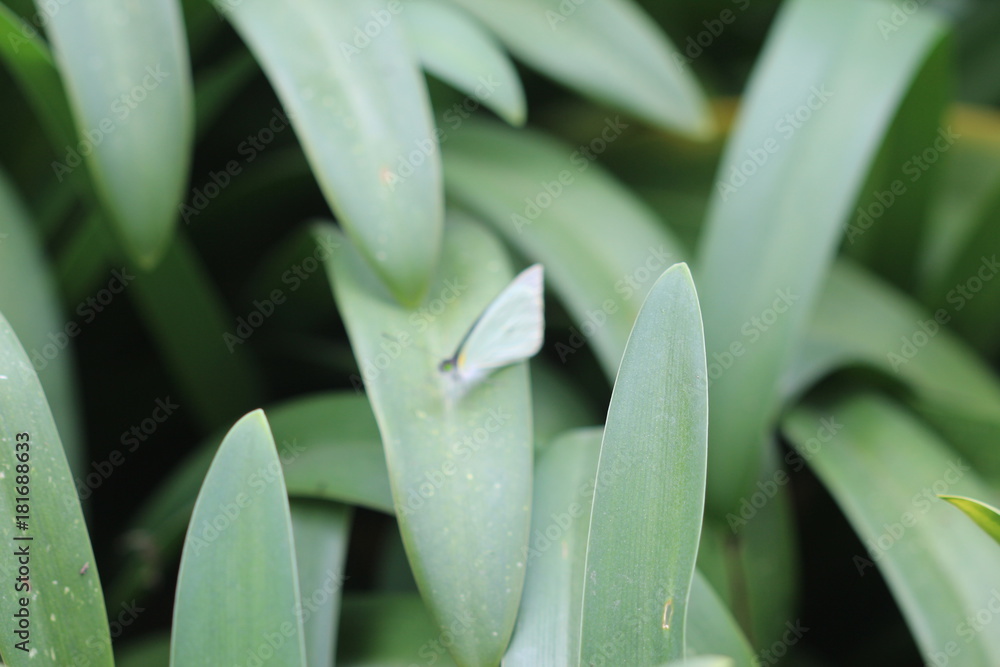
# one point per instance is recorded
(509, 330)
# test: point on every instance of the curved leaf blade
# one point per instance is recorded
(640, 560)
(60, 596)
(941, 571)
(29, 300)
(455, 48)
(460, 469)
(986, 516)
(773, 230)
(361, 111)
(128, 80)
(609, 50)
(237, 590)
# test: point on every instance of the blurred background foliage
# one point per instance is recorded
(243, 242)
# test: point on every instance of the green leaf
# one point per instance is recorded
(330, 450)
(711, 627)
(941, 571)
(360, 108)
(611, 51)
(30, 302)
(61, 591)
(457, 49)
(202, 344)
(548, 624)
(321, 532)
(860, 320)
(237, 590)
(649, 498)
(986, 516)
(128, 80)
(548, 627)
(460, 468)
(29, 60)
(392, 630)
(772, 232)
(556, 206)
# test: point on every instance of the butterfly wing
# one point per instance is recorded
(509, 330)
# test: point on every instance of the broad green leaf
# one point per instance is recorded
(986, 516)
(321, 532)
(360, 108)
(459, 466)
(860, 320)
(330, 450)
(601, 247)
(773, 228)
(237, 589)
(941, 571)
(610, 50)
(394, 630)
(548, 627)
(202, 344)
(457, 49)
(650, 489)
(48, 562)
(128, 80)
(30, 302)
